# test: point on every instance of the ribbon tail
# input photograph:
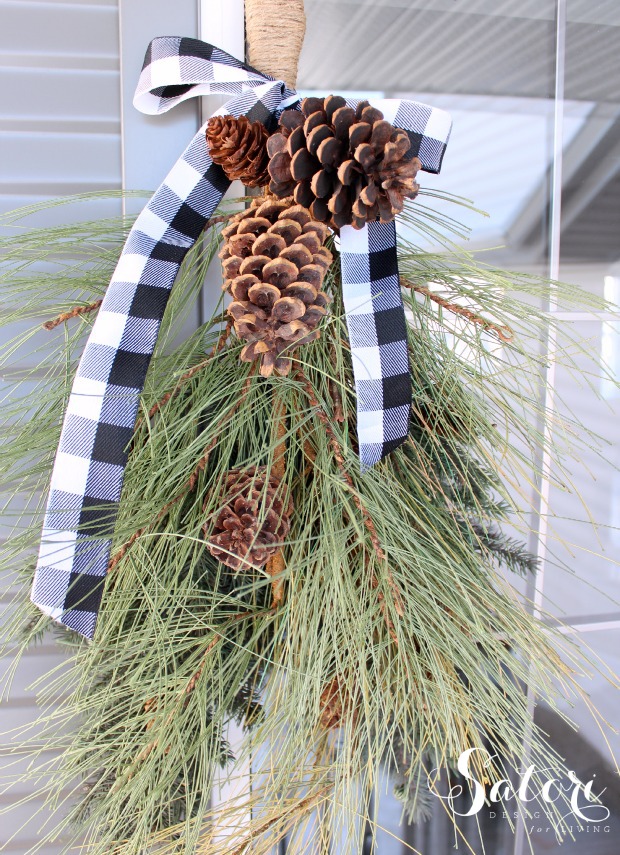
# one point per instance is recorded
(90, 462)
(378, 337)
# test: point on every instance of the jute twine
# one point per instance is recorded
(274, 33)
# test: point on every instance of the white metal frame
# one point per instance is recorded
(221, 22)
(540, 498)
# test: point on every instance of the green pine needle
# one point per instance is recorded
(391, 584)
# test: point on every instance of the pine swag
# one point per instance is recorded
(349, 621)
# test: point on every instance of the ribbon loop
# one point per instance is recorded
(428, 128)
(88, 472)
(176, 69)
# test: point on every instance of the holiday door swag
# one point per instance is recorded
(328, 162)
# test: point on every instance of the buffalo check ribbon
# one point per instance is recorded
(90, 462)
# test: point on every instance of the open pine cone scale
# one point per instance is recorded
(274, 262)
(346, 166)
(253, 522)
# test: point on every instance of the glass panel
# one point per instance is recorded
(583, 570)
(590, 249)
(485, 832)
(588, 753)
(490, 64)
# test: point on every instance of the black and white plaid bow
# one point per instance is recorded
(90, 462)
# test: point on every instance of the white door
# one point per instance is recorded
(534, 91)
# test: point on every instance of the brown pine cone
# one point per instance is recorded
(254, 521)
(274, 264)
(347, 166)
(336, 704)
(239, 147)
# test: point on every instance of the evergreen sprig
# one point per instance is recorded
(391, 585)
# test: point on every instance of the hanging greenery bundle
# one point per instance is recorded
(384, 619)
(348, 619)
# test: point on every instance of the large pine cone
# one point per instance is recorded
(253, 523)
(239, 147)
(274, 264)
(347, 166)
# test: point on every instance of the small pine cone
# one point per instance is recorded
(239, 147)
(274, 262)
(347, 166)
(254, 521)
(336, 704)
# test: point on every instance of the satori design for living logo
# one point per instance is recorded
(584, 803)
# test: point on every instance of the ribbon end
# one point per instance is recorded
(372, 453)
(64, 619)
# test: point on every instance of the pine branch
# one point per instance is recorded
(275, 565)
(507, 551)
(418, 538)
(188, 486)
(75, 312)
(504, 332)
(368, 521)
(190, 373)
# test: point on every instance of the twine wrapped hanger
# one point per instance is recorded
(274, 31)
